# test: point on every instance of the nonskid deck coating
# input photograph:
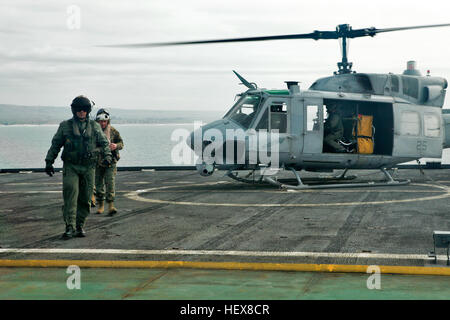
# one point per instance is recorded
(166, 211)
(185, 217)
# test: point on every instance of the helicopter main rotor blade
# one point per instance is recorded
(342, 31)
(316, 35)
(373, 31)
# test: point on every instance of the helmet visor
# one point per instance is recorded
(82, 108)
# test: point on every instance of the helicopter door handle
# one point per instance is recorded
(291, 136)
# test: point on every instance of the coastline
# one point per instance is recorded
(116, 124)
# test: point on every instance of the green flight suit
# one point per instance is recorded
(107, 175)
(334, 130)
(81, 141)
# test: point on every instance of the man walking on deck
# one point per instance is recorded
(80, 138)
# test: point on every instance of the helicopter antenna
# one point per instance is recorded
(249, 85)
(343, 32)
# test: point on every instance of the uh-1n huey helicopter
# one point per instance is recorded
(387, 119)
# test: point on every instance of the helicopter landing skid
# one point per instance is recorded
(300, 186)
(246, 179)
(341, 176)
(260, 179)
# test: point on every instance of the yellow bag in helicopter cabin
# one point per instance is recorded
(365, 134)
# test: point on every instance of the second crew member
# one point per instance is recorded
(105, 175)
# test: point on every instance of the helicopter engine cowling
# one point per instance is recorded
(433, 92)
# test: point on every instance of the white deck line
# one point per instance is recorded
(342, 255)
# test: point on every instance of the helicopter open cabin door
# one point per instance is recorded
(417, 131)
(312, 125)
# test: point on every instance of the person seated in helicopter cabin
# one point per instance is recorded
(333, 130)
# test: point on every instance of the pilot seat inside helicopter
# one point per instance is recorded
(357, 127)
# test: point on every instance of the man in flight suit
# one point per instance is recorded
(334, 129)
(80, 137)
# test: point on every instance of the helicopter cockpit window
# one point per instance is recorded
(244, 112)
(312, 118)
(278, 117)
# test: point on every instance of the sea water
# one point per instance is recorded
(25, 146)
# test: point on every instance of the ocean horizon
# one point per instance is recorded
(151, 144)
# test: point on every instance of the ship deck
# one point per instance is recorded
(178, 219)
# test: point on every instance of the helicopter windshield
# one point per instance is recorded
(245, 110)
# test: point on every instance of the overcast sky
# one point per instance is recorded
(46, 60)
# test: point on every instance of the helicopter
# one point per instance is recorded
(387, 119)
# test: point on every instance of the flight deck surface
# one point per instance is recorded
(182, 236)
(181, 216)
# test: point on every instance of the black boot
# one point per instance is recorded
(69, 232)
(80, 232)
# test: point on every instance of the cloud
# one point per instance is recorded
(44, 62)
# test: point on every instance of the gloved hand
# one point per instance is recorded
(107, 161)
(49, 169)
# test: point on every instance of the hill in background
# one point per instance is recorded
(14, 114)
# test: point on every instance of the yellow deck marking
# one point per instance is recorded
(441, 271)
